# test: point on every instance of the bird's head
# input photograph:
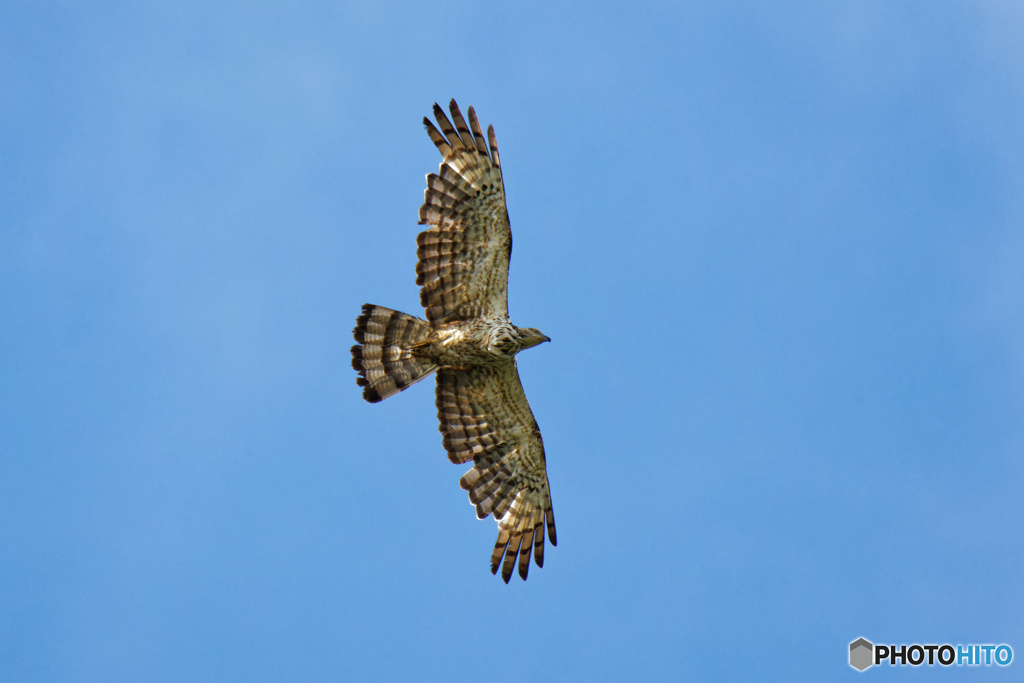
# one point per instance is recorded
(531, 336)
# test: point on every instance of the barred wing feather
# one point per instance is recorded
(464, 254)
(486, 418)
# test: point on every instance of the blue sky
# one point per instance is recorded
(778, 248)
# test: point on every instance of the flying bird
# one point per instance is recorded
(468, 340)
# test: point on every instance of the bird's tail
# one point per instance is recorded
(384, 355)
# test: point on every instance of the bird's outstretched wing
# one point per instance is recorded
(486, 418)
(464, 255)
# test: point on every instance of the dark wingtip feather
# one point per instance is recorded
(551, 526)
(511, 552)
(524, 558)
(538, 545)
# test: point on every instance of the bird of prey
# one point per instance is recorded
(468, 340)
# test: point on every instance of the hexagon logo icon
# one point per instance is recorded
(861, 654)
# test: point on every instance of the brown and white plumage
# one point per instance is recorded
(468, 339)
(464, 255)
(485, 418)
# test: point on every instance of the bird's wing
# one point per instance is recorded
(464, 254)
(486, 418)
